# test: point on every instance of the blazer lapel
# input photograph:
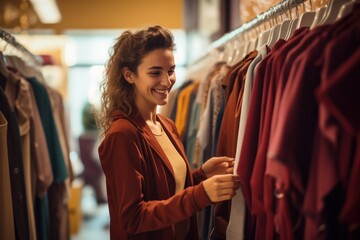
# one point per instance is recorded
(178, 145)
(149, 136)
(175, 141)
(140, 123)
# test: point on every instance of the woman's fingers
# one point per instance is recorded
(221, 187)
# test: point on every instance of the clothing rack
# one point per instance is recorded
(21, 50)
(219, 45)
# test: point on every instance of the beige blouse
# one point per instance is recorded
(177, 162)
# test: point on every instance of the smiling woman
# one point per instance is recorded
(152, 192)
(153, 80)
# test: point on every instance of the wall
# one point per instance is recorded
(107, 14)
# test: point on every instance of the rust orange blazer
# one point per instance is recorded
(140, 182)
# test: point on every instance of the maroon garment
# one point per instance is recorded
(231, 118)
(290, 151)
(249, 145)
(251, 134)
(292, 138)
(257, 177)
(332, 156)
(230, 78)
(341, 97)
(279, 58)
(273, 168)
(228, 137)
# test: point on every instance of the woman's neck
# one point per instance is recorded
(150, 118)
(147, 112)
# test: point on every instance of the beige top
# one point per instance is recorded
(177, 162)
(179, 168)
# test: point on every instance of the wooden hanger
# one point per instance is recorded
(346, 9)
(307, 18)
(293, 24)
(332, 11)
(319, 14)
(253, 44)
(263, 38)
(284, 26)
(274, 34)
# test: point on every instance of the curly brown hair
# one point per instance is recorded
(128, 51)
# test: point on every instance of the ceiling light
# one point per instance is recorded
(47, 10)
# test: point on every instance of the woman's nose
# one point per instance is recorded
(166, 80)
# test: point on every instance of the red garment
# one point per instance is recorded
(341, 98)
(291, 144)
(228, 137)
(231, 118)
(249, 145)
(279, 58)
(257, 176)
(229, 80)
(332, 156)
(291, 150)
(141, 185)
(251, 134)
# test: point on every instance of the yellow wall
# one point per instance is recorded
(115, 14)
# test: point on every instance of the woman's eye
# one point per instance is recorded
(155, 73)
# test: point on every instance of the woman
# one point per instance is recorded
(152, 192)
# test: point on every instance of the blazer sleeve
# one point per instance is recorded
(198, 176)
(123, 164)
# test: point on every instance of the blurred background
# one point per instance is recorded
(71, 41)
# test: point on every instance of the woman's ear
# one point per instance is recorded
(128, 75)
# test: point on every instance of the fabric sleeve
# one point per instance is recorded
(126, 173)
(198, 176)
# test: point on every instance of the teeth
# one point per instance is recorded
(160, 91)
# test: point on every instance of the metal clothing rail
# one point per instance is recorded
(258, 20)
(26, 54)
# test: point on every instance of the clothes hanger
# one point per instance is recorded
(240, 52)
(332, 11)
(253, 44)
(263, 38)
(275, 32)
(247, 49)
(293, 24)
(255, 38)
(24, 69)
(220, 54)
(307, 18)
(290, 23)
(228, 51)
(318, 17)
(242, 39)
(284, 25)
(233, 49)
(346, 9)
(250, 42)
(244, 47)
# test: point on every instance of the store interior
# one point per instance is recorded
(71, 49)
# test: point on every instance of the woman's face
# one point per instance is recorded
(155, 78)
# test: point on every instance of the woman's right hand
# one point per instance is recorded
(221, 187)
